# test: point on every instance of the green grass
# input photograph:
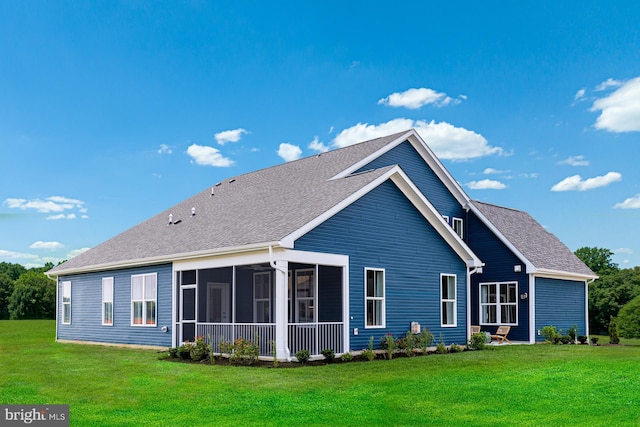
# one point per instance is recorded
(506, 386)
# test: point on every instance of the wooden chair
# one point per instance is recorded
(474, 329)
(501, 334)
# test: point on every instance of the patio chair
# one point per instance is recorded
(474, 329)
(501, 334)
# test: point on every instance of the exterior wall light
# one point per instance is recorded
(524, 295)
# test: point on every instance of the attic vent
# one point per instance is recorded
(218, 184)
(232, 180)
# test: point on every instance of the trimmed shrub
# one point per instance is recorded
(329, 355)
(613, 331)
(303, 356)
(477, 341)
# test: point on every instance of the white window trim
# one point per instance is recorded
(66, 285)
(460, 231)
(497, 304)
(454, 300)
(257, 300)
(383, 298)
(313, 299)
(144, 301)
(105, 280)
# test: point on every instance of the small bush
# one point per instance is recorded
(410, 340)
(346, 357)
(477, 341)
(303, 356)
(440, 347)
(391, 346)
(564, 339)
(199, 350)
(455, 348)
(184, 351)
(573, 332)
(329, 355)
(551, 334)
(173, 352)
(594, 340)
(241, 351)
(582, 339)
(426, 339)
(368, 354)
(613, 331)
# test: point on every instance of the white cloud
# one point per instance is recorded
(62, 216)
(607, 84)
(289, 152)
(53, 204)
(486, 184)
(76, 252)
(230, 135)
(415, 98)
(620, 111)
(623, 251)
(15, 255)
(492, 171)
(447, 141)
(46, 245)
(629, 203)
(208, 156)
(164, 149)
(579, 95)
(317, 145)
(575, 161)
(576, 183)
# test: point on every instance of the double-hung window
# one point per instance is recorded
(499, 303)
(262, 297)
(144, 299)
(458, 226)
(66, 303)
(448, 299)
(375, 298)
(107, 301)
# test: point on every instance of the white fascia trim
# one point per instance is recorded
(564, 275)
(408, 188)
(428, 156)
(165, 259)
(530, 268)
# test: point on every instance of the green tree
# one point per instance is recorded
(33, 297)
(12, 270)
(6, 289)
(629, 319)
(609, 294)
(597, 259)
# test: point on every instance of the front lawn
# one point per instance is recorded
(509, 385)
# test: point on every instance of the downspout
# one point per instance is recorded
(469, 273)
(285, 272)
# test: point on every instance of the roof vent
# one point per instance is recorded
(193, 211)
(170, 219)
(211, 191)
(232, 180)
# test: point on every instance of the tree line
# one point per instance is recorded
(26, 293)
(614, 298)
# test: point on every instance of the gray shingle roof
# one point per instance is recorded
(544, 250)
(257, 207)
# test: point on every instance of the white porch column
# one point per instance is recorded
(282, 303)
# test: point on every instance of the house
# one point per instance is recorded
(323, 253)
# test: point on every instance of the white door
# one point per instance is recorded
(218, 309)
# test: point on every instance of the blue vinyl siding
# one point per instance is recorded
(86, 308)
(384, 230)
(422, 176)
(560, 303)
(499, 262)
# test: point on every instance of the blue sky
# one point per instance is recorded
(111, 112)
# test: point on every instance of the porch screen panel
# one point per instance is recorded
(305, 295)
(189, 304)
